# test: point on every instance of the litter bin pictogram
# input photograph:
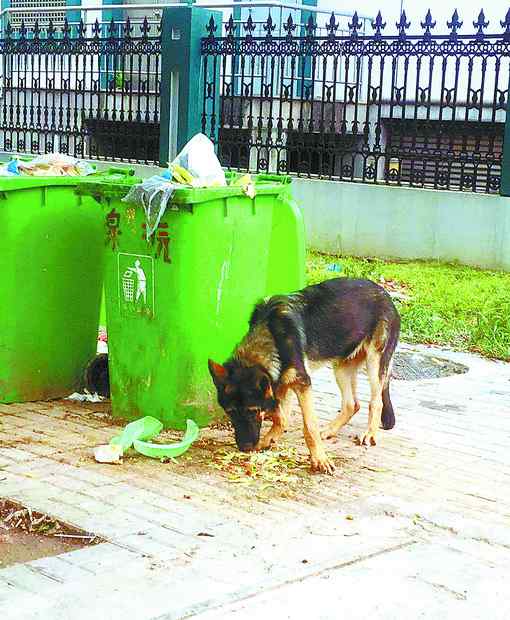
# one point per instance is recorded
(128, 285)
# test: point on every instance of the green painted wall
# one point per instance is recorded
(367, 220)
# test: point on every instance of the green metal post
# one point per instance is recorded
(183, 75)
(305, 64)
(505, 163)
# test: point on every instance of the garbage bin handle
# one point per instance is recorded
(128, 172)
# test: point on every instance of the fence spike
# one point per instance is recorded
(50, 32)
(332, 25)
(22, 30)
(269, 27)
(229, 26)
(145, 28)
(428, 25)
(212, 27)
(310, 27)
(506, 24)
(248, 25)
(403, 25)
(128, 28)
(355, 25)
(66, 28)
(96, 29)
(378, 25)
(111, 28)
(36, 30)
(289, 27)
(454, 25)
(81, 29)
(481, 23)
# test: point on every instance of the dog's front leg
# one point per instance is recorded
(276, 431)
(318, 456)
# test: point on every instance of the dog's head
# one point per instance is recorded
(246, 395)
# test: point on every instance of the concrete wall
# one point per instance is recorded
(366, 220)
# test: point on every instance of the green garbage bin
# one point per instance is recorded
(186, 295)
(52, 255)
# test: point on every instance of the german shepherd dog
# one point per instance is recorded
(343, 322)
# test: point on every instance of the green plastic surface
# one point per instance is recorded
(204, 269)
(52, 247)
(142, 429)
(159, 451)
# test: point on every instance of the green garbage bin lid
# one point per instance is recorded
(112, 174)
(111, 187)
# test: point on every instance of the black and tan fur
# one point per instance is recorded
(346, 323)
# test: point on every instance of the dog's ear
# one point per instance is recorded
(218, 373)
(266, 387)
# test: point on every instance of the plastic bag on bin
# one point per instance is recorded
(199, 159)
(195, 166)
(153, 195)
(53, 164)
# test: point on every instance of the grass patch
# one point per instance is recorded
(450, 305)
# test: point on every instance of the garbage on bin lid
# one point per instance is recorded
(52, 164)
(200, 164)
(160, 451)
(195, 166)
(153, 195)
(247, 185)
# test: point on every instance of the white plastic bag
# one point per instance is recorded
(153, 194)
(199, 159)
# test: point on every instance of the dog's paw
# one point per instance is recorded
(322, 464)
(367, 439)
(270, 440)
(265, 443)
(329, 432)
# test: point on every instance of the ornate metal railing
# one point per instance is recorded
(425, 109)
(89, 90)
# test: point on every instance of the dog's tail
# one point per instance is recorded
(388, 415)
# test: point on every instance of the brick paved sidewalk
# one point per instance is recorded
(415, 527)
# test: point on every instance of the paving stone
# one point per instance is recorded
(24, 577)
(428, 514)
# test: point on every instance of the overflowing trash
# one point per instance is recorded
(136, 435)
(51, 165)
(196, 166)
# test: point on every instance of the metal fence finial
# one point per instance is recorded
(402, 26)
(378, 25)
(428, 25)
(506, 24)
(355, 25)
(481, 23)
(454, 25)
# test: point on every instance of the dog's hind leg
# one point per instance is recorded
(318, 456)
(377, 382)
(345, 375)
(280, 421)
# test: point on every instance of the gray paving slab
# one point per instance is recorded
(415, 528)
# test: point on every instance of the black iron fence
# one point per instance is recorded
(337, 99)
(423, 110)
(88, 90)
